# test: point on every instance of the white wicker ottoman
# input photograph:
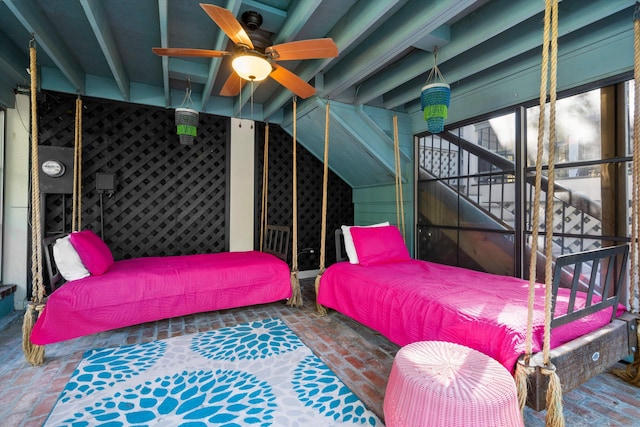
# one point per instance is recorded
(434, 383)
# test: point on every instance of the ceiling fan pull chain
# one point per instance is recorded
(240, 107)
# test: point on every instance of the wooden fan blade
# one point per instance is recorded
(303, 49)
(232, 86)
(292, 82)
(176, 51)
(228, 23)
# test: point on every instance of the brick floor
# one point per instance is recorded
(361, 358)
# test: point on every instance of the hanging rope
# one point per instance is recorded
(634, 285)
(76, 222)
(296, 296)
(323, 233)
(399, 197)
(34, 353)
(435, 76)
(265, 186)
(632, 372)
(555, 417)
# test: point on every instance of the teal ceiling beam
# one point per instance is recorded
(303, 108)
(47, 39)
(164, 42)
(382, 135)
(99, 22)
(344, 115)
(599, 54)
(510, 44)
(413, 22)
(51, 78)
(297, 15)
(13, 63)
(439, 37)
(468, 33)
(181, 69)
(353, 25)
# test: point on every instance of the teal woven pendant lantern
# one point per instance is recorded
(435, 97)
(187, 119)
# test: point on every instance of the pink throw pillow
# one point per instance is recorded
(94, 253)
(379, 245)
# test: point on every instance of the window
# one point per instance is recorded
(475, 196)
(466, 194)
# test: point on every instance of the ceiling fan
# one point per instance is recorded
(251, 63)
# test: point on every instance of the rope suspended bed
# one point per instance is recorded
(114, 294)
(559, 323)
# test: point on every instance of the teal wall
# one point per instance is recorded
(377, 203)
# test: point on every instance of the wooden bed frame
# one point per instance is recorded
(276, 241)
(581, 359)
(54, 279)
(589, 355)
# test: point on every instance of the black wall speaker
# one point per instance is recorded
(55, 169)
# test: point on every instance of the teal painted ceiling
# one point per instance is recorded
(386, 50)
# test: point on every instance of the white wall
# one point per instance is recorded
(16, 199)
(241, 185)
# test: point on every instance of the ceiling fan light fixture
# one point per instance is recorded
(251, 67)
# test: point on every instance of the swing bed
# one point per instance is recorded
(575, 320)
(101, 294)
(140, 290)
(409, 300)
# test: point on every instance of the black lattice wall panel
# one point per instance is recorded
(170, 199)
(309, 184)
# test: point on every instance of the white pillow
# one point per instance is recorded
(349, 248)
(68, 261)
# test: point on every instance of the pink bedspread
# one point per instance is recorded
(422, 301)
(141, 290)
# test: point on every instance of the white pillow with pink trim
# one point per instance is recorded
(68, 261)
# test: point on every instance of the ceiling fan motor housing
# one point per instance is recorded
(252, 20)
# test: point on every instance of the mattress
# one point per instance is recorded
(140, 290)
(417, 300)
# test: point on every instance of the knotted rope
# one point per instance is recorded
(265, 186)
(632, 372)
(34, 353)
(76, 223)
(399, 197)
(323, 233)
(555, 417)
(296, 296)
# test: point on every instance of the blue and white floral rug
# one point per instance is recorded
(253, 374)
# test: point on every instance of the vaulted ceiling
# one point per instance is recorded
(386, 50)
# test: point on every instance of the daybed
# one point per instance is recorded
(134, 291)
(410, 300)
